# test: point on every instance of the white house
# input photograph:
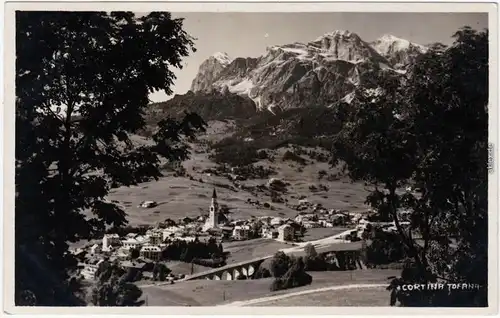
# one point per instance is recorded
(303, 201)
(357, 217)
(136, 242)
(156, 238)
(241, 232)
(148, 204)
(130, 243)
(286, 233)
(77, 251)
(109, 240)
(167, 232)
(325, 223)
(333, 211)
(152, 252)
(186, 238)
(311, 224)
(363, 222)
(304, 217)
(95, 249)
(89, 270)
(269, 232)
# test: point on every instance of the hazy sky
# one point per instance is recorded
(248, 34)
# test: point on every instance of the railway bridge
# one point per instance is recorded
(350, 252)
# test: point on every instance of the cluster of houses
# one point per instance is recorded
(149, 247)
(315, 215)
(268, 227)
(145, 266)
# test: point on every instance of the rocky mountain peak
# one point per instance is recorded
(222, 58)
(318, 73)
(340, 34)
(399, 52)
(209, 71)
(345, 45)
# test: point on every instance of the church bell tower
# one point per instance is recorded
(214, 211)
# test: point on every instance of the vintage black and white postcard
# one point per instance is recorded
(293, 158)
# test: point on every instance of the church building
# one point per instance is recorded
(215, 218)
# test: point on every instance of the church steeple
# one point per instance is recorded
(214, 211)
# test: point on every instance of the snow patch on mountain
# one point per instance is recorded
(270, 108)
(241, 87)
(388, 42)
(223, 58)
(399, 52)
(257, 102)
(300, 52)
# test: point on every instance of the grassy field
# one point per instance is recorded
(179, 197)
(204, 292)
(245, 250)
(319, 233)
(178, 267)
(212, 292)
(376, 296)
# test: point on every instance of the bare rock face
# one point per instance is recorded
(209, 71)
(319, 73)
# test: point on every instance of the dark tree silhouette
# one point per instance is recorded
(82, 86)
(280, 264)
(313, 261)
(295, 276)
(113, 287)
(429, 129)
(134, 253)
(160, 272)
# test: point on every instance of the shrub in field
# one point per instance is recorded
(294, 277)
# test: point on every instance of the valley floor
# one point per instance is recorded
(190, 196)
(178, 197)
(345, 295)
(213, 292)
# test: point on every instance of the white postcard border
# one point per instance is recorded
(292, 6)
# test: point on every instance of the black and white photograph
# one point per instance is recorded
(252, 159)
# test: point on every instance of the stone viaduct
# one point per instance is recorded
(350, 253)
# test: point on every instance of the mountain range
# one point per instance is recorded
(288, 95)
(321, 72)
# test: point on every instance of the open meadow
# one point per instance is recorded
(216, 292)
(245, 250)
(181, 196)
(357, 297)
